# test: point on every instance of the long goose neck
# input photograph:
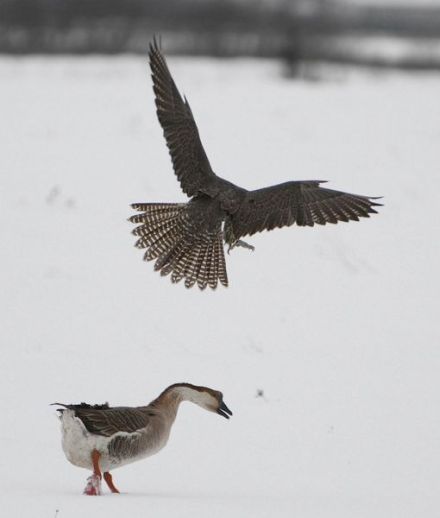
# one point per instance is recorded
(169, 400)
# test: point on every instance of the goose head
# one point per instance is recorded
(207, 398)
(213, 401)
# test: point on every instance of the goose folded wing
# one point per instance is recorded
(110, 421)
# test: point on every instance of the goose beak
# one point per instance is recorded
(224, 410)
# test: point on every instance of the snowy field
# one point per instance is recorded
(338, 326)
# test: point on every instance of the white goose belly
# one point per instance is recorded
(78, 444)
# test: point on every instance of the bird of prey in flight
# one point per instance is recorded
(186, 239)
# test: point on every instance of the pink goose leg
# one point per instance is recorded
(93, 486)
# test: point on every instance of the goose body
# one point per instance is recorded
(117, 449)
(102, 438)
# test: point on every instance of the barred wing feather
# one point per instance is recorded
(190, 162)
(303, 203)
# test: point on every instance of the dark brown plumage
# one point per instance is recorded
(186, 239)
(107, 421)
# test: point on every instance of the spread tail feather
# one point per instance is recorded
(165, 232)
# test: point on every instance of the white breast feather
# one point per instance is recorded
(78, 444)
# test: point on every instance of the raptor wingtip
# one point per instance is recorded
(156, 43)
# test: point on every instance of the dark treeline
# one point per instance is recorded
(214, 27)
(206, 14)
(123, 25)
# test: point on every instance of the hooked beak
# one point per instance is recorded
(224, 411)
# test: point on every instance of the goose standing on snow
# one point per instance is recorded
(102, 438)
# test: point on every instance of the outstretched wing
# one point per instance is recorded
(303, 203)
(189, 159)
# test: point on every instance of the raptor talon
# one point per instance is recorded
(243, 244)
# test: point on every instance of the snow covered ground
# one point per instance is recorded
(338, 326)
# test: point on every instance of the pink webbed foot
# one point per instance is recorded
(93, 486)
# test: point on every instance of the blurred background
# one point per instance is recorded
(369, 33)
(326, 343)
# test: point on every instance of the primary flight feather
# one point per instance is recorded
(187, 239)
